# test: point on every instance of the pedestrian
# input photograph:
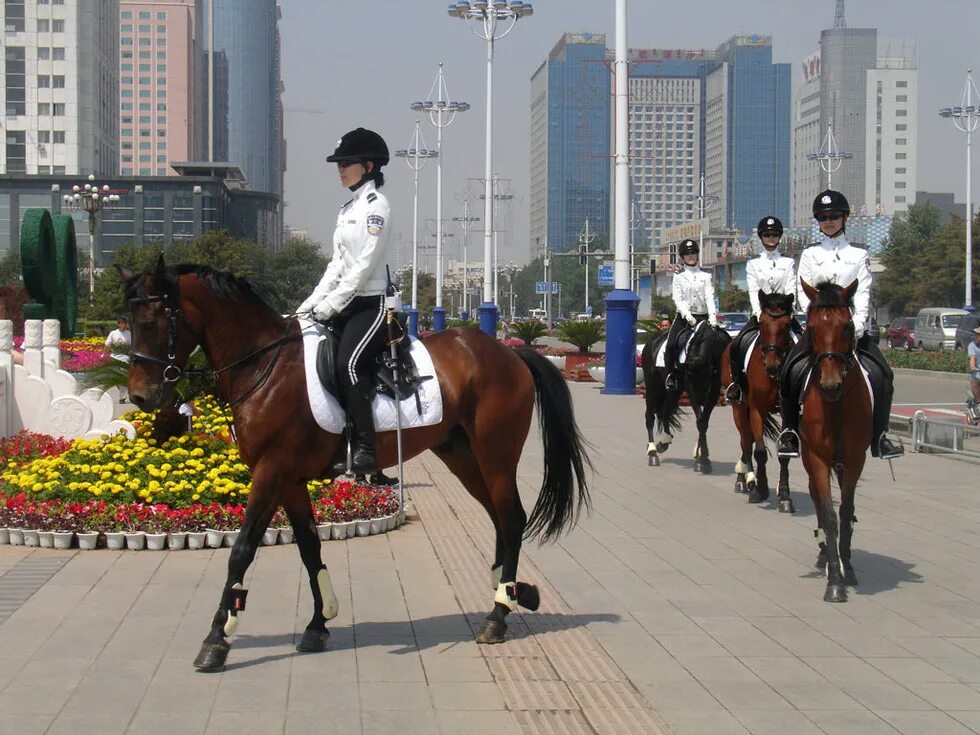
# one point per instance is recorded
(351, 293)
(769, 273)
(694, 296)
(974, 352)
(118, 337)
(833, 259)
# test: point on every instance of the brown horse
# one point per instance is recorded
(835, 428)
(488, 397)
(754, 414)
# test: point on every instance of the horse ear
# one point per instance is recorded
(763, 298)
(160, 273)
(810, 291)
(848, 293)
(125, 273)
(790, 298)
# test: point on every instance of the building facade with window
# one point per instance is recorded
(151, 209)
(161, 76)
(60, 98)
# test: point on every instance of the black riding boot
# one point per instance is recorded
(733, 392)
(882, 445)
(363, 457)
(790, 385)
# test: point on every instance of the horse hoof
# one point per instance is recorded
(786, 506)
(706, 467)
(212, 656)
(740, 487)
(493, 632)
(836, 592)
(757, 496)
(850, 578)
(313, 641)
(528, 596)
(698, 467)
(653, 460)
(661, 447)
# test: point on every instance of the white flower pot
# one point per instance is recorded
(598, 373)
(639, 375)
(338, 532)
(392, 522)
(88, 540)
(115, 540)
(16, 536)
(63, 539)
(30, 538)
(135, 540)
(324, 530)
(156, 541)
(45, 539)
(230, 538)
(215, 538)
(196, 539)
(270, 537)
(286, 535)
(4, 536)
(377, 525)
(176, 540)
(557, 360)
(362, 528)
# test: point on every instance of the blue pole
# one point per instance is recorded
(438, 319)
(621, 308)
(488, 318)
(413, 320)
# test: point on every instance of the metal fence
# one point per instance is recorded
(945, 435)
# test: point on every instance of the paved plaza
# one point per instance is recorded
(674, 607)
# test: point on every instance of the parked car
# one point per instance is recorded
(935, 328)
(901, 333)
(732, 321)
(964, 331)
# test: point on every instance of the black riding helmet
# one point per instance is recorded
(770, 226)
(359, 146)
(688, 247)
(831, 201)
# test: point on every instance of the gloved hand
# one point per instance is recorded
(858, 331)
(323, 311)
(713, 321)
(691, 320)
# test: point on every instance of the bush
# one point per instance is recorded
(944, 361)
(582, 334)
(527, 331)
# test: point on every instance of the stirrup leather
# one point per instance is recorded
(783, 436)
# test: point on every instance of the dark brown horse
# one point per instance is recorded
(835, 428)
(754, 413)
(488, 397)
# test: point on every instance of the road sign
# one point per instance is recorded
(555, 287)
(540, 287)
(606, 275)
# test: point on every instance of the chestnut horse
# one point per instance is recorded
(754, 413)
(488, 397)
(835, 427)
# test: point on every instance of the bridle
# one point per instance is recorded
(767, 347)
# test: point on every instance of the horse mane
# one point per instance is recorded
(829, 296)
(225, 285)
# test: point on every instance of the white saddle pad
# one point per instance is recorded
(330, 416)
(682, 356)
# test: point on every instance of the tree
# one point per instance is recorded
(293, 272)
(527, 330)
(734, 299)
(582, 333)
(11, 271)
(427, 292)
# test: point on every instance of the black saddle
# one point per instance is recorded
(408, 376)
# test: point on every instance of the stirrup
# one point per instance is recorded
(897, 447)
(670, 382)
(784, 437)
(733, 393)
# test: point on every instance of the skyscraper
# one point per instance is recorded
(60, 100)
(161, 75)
(570, 142)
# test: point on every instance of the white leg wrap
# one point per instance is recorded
(741, 467)
(231, 624)
(749, 478)
(331, 607)
(651, 447)
(503, 595)
(495, 574)
(697, 451)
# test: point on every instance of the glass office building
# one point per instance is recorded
(570, 143)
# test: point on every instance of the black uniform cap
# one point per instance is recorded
(831, 201)
(688, 247)
(360, 145)
(769, 226)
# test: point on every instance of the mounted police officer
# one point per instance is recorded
(351, 293)
(833, 259)
(769, 273)
(694, 295)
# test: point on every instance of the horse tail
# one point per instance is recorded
(565, 490)
(770, 427)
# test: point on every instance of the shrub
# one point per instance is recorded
(582, 334)
(528, 330)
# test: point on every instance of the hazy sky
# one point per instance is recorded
(349, 63)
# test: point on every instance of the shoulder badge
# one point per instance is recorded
(374, 223)
(372, 196)
(346, 204)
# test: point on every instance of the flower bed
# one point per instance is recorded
(185, 484)
(78, 354)
(943, 360)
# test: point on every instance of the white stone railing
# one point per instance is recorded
(42, 397)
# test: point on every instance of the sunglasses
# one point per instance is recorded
(829, 216)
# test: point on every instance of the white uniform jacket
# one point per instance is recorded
(359, 255)
(837, 261)
(694, 293)
(769, 273)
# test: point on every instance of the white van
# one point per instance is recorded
(935, 328)
(540, 314)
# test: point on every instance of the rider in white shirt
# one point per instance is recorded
(769, 273)
(833, 259)
(694, 295)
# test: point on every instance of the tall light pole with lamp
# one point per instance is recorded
(829, 157)
(497, 197)
(966, 117)
(489, 21)
(465, 220)
(442, 111)
(93, 200)
(416, 156)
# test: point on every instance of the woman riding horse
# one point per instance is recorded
(694, 296)
(834, 260)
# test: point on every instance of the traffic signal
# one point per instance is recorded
(582, 257)
(653, 266)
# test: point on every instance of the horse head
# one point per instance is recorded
(774, 330)
(162, 341)
(831, 330)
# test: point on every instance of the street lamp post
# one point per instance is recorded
(416, 156)
(93, 200)
(442, 111)
(586, 238)
(966, 117)
(497, 197)
(829, 156)
(489, 21)
(465, 220)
